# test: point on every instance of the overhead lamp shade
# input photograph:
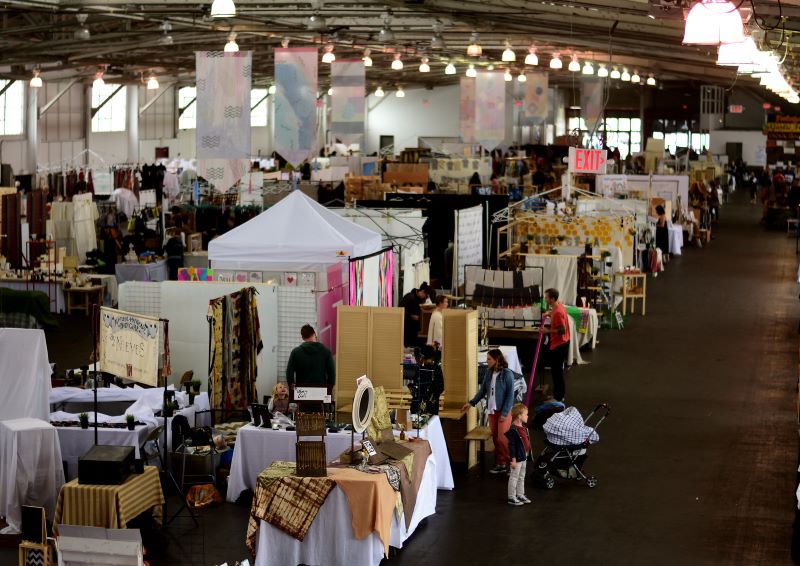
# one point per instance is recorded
(574, 66)
(231, 46)
(367, 61)
(152, 83)
(437, 42)
(740, 53)
(386, 35)
(400, 93)
(507, 76)
(555, 62)
(450, 69)
(397, 63)
(522, 78)
(223, 9)
(615, 73)
(712, 22)
(588, 69)
(508, 55)
(36, 80)
(474, 48)
(626, 76)
(328, 56)
(272, 89)
(651, 81)
(330, 91)
(379, 92)
(471, 72)
(635, 78)
(531, 58)
(98, 81)
(602, 72)
(423, 66)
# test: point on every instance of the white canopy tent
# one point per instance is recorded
(297, 234)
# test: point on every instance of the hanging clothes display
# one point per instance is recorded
(235, 342)
(85, 215)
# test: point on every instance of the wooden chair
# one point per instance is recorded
(154, 438)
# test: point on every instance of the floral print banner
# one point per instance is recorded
(490, 109)
(534, 109)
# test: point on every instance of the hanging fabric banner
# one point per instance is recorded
(296, 103)
(128, 345)
(536, 98)
(347, 101)
(490, 109)
(223, 116)
(466, 115)
(591, 102)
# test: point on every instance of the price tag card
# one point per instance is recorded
(369, 447)
(310, 393)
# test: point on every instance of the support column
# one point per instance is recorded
(32, 129)
(132, 122)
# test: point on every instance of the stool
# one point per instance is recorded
(479, 434)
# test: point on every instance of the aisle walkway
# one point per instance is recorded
(696, 463)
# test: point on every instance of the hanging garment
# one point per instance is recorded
(85, 214)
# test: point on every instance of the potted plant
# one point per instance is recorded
(196, 386)
(553, 251)
(131, 421)
(84, 418)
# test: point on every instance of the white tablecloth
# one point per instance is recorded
(433, 433)
(330, 540)
(256, 448)
(54, 289)
(509, 353)
(30, 468)
(156, 271)
(152, 397)
(76, 441)
(24, 374)
(675, 239)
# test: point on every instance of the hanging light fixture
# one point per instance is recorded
(651, 81)
(36, 80)
(98, 80)
(272, 89)
(574, 66)
(379, 92)
(330, 91)
(615, 73)
(626, 76)
(635, 77)
(231, 46)
(531, 58)
(450, 69)
(471, 72)
(474, 48)
(522, 78)
(400, 92)
(437, 42)
(223, 9)
(555, 62)
(386, 35)
(397, 63)
(507, 76)
(166, 38)
(423, 66)
(734, 54)
(367, 58)
(602, 72)
(712, 22)
(588, 68)
(82, 32)
(508, 54)
(152, 82)
(328, 56)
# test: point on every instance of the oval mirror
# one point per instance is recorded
(363, 404)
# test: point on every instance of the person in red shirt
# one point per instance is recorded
(558, 332)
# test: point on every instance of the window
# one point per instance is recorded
(187, 105)
(12, 104)
(680, 134)
(258, 107)
(621, 132)
(111, 117)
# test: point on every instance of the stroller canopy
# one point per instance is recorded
(568, 429)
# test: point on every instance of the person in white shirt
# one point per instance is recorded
(436, 325)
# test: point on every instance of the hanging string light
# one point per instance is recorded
(588, 68)
(555, 62)
(397, 63)
(574, 66)
(635, 77)
(615, 73)
(626, 76)
(531, 58)
(651, 81)
(602, 72)
(508, 54)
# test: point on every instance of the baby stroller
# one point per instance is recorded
(567, 440)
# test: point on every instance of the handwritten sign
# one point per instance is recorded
(311, 393)
(591, 161)
(129, 345)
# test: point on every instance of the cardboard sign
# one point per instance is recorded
(311, 393)
(591, 161)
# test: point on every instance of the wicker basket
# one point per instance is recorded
(311, 458)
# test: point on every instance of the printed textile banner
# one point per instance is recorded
(129, 345)
(347, 101)
(490, 109)
(468, 239)
(296, 103)
(223, 116)
(591, 102)
(534, 107)
(466, 115)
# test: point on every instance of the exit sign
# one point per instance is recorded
(735, 108)
(587, 161)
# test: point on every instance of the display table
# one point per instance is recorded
(30, 468)
(586, 326)
(634, 286)
(24, 374)
(675, 239)
(54, 290)
(331, 539)
(109, 506)
(59, 397)
(433, 433)
(256, 448)
(76, 441)
(85, 297)
(156, 271)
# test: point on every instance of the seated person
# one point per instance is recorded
(279, 402)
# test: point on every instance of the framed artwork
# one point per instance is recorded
(241, 277)
(225, 276)
(308, 280)
(254, 277)
(290, 278)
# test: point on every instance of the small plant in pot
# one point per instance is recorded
(131, 421)
(196, 386)
(84, 418)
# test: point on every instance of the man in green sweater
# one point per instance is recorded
(311, 363)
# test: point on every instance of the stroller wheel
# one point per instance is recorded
(591, 481)
(549, 482)
(542, 464)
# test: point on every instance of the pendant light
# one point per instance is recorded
(367, 59)
(522, 78)
(635, 77)
(615, 73)
(471, 72)
(574, 66)
(507, 76)
(531, 58)
(588, 68)
(740, 53)
(450, 69)
(474, 48)
(231, 46)
(223, 9)
(397, 64)
(400, 92)
(152, 82)
(272, 89)
(651, 81)
(712, 22)
(555, 62)
(437, 42)
(379, 92)
(508, 54)
(602, 72)
(423, 66)
(328, 56)
(626, 76)
(386, 35)
(98, 80)
(36, 80)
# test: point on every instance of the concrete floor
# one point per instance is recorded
(696, 464)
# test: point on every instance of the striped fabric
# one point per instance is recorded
(109, 506)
